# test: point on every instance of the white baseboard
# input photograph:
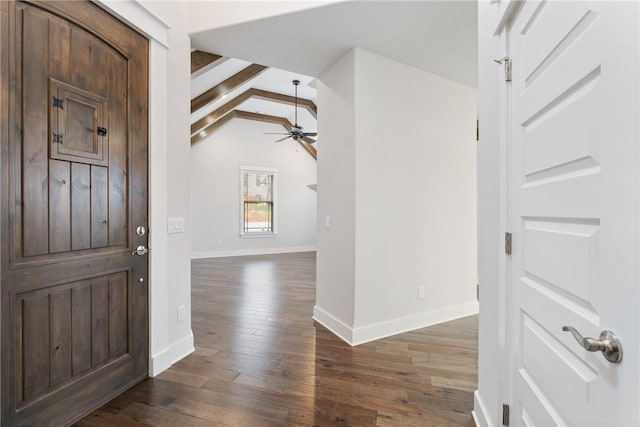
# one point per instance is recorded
(376, 331)
(171, 354)
(479, 412)
(244, 252)
(339, 329)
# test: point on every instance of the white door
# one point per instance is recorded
(574, 211)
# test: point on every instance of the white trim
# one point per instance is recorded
(138, 16)
(479, 412)
(170, 355)
(507, 9)
(244, 252)
(244, 169)
(376, 331)
(400, 325)
(258, 235)
(337, 327)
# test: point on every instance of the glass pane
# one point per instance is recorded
(258, 187)
(258, 217)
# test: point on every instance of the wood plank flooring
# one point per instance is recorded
(261, 361)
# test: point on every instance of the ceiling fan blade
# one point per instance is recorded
(305, 138)
(276, 133)
(286, 137)
(311, 133)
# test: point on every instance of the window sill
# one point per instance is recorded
(257, 235)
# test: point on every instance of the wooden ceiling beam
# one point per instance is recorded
(221, 89)
(307, 104)
(212, 117)
(265, 118)
(266, 95)
(200, 59)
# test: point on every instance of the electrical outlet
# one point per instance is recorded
(420, 292)
(327, 222)
(182, 313)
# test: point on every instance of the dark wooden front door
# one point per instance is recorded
(74, 190)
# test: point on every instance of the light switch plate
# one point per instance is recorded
(175, 225)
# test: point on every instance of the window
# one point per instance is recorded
(258, 201)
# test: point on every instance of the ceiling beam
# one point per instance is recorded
(266, 95)
(221, 89)
(211, 118)
(200, 59)
(308, 104)
(265, 118)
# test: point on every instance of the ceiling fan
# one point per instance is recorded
(296, 132)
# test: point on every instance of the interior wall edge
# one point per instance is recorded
(479, 412)
(165, 358)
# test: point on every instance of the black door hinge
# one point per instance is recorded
(507, 243)
(57, 138)
(58, 103)
(102, 131)
(505, 414)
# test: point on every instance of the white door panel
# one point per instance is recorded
(574, 211)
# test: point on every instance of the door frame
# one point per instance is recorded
(164, 348)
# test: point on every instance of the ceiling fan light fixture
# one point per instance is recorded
(296, 132)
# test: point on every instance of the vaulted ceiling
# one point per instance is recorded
(224, 89)
(436, 36)
(439, 37)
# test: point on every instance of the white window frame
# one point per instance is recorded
(274, 188)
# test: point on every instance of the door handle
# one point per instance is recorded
(140, 250)
(609, 344)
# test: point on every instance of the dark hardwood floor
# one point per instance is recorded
(260, 360)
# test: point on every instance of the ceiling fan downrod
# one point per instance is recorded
(295, 84)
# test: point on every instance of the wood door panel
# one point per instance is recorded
(35, 346)
(68, 329)
(81, 326)
(60, 336)
(99, 322)
(75, 329)
(99, 207)
(118, 125)
(118, 315)
(35, 198)
(91, 79)
(59, 206)
(80, 206)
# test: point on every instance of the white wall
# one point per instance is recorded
(335, 274)
(215, 191)
(402, 174)
(179, 336)
(415, 197)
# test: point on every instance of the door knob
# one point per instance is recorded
(140, 250)
(609, 344)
